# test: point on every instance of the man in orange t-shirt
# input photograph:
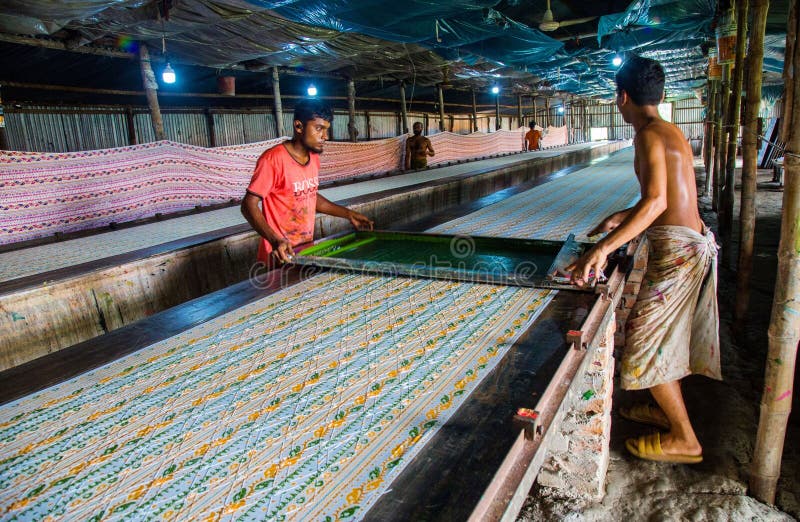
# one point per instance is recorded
(533, 138)
(285, 182)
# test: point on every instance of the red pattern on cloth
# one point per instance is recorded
(44, 193)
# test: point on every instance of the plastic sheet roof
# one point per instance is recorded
(421, 41)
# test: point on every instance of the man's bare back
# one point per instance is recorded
(680, 179)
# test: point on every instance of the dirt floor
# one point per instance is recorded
(725, 416)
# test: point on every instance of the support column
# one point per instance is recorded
(210, 126)
(497, 124)
(747, 212)
(276, 92)
(369, 131)
(708, 149)
(403, 108)
(519, 111)
(351, 108)
(150, 89)
(719, 156)
(441, 107)
(546, 112)
(535, 116)
(474, 113)
(130, 123)
(3, 137)
(612, 135)
(735, 104)
(784, 328)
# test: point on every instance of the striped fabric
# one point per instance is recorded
(302, 406)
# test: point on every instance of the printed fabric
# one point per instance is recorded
(673, 329)
(288, 192)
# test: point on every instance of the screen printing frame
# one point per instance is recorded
(320, 254)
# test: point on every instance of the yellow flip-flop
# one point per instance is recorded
(645, 414)
(648, 447)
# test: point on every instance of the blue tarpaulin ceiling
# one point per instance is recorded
(472, 42)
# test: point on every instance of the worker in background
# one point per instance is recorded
(418, 148)
(673, 329)
(285, 182)
(533, 138)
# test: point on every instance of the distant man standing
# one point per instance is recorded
(418, 148)
(533, 138)
(285, 183)
(672, 330)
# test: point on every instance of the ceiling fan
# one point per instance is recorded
(548, 24)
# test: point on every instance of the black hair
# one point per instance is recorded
(642, 79)
(532, 124)
(307, 110)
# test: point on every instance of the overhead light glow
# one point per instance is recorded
(495, 90)
(617, 61)
(169, 74)
(312, 91)
(561, 110)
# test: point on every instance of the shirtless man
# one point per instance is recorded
(418, 148)
(672, 330)
(285, 183)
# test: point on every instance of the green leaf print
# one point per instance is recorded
(240, 495)
(349, 512)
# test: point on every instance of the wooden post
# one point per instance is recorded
(276, 92)
(734, 108)
(519, 111)
(369, 131)
(747, 212)
(535, 116)
(403, 108)
(131, 124)
(3, 136)
(441, 107)
(497, 123)
(566, 120)
(784, 328)
(150, 90)
(210, 127)
(719, 157)
(708, 149)
(611, 134)
(351, 108)
(474, 112)
(546, 111)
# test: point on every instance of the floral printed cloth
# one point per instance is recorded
(673, 329)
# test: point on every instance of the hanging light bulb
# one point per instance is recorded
(561, 110)
(312, 91)
(617, 61)
(168, 75)
(495, 90)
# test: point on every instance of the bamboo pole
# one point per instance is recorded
(719, 156)
(732, 124)
(403, 108)
(709, 133)
(3, 136)
(276, 92)
(784, 328)
(150, 89)
(546, 112)
(474, 113)
(351, 109)
(497, 123)
(747, 211)
(441, 107)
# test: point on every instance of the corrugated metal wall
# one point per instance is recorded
(60, 129)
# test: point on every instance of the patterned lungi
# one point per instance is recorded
(673, 329)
